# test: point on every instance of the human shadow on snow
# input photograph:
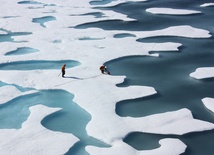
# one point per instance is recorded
(72, 77)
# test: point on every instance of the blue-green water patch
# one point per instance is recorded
(43, 20)
(71, 119)
(100, 2)
(29, 2)
(95, 14)
(38, 64)
(22, 89)
(197, 143)
(169, 75)
(89, 38)
(8, 37)
(34, 2)
(124, 35)
(2, 84)
(22, 51)
(142, 141)
(147, 21)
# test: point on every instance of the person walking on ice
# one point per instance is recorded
(104, 70)
(63, 70)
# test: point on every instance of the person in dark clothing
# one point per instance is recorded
(104, 70)
(63, 70)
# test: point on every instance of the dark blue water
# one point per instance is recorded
(147, 21)
(169, 73)
(197, 143)
(175, 90)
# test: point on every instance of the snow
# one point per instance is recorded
(209, 103)
(171, 11)
(207, 4)
(181, 31)
(168, 146)
(203, 73)
(33, 138)
(9, 92)
(114, 3)
(94, 92)
(177, 122)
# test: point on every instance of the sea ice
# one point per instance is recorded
(9, 92)
(94, 92)
(33, 138)
(203, 72)
(209, 103)
(168, 146)
(207, 4)
(170, 11)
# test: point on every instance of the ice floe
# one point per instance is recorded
(203, 72)
(168, 146)
(94, 92)
(207, 4)
(209, 103)
(9, 92)
(33, 138)
(171, 11)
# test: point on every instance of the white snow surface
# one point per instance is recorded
(207, 4)
(168, 146)
(9, 92)
(171, 11)
(203, 73)
(96, 93)
(209, 103)
(33, 138)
